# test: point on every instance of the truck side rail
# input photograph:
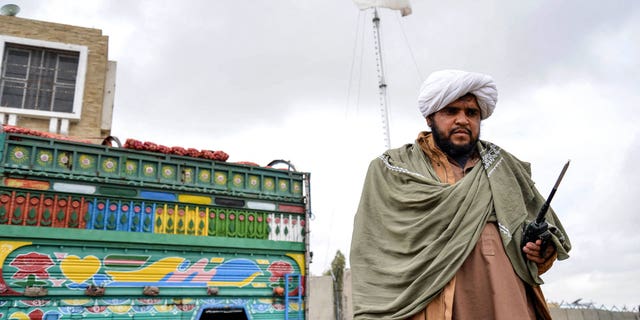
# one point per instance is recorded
(61, 159)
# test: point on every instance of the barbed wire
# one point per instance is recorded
(579, 304)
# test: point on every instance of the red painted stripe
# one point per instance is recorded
(26, 184)
(290, 208)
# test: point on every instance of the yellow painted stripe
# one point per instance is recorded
(153, 273)
(299, 258)
(262, 261)
(19, 316)
(76, 302)
(119, 309)
(259, 285)
(217, 260)
(6, 247)
(189, 198)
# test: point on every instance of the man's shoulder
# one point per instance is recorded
(405, 156)
(403, 152)
(490, 151)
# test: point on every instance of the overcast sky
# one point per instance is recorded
(296, 80)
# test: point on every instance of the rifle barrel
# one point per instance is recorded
(545, 206)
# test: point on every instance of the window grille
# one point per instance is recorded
(38, 78)
(41, 79)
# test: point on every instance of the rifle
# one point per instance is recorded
(538, 228)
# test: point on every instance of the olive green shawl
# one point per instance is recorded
(412, 232)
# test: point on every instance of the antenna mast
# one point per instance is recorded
(405, 9)
(382, 85)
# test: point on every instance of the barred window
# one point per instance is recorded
(41, 79)
(38, 78)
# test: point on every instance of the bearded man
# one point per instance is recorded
(437, 233)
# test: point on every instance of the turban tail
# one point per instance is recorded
(444, 87)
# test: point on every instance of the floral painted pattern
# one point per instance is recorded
(130, 167)
(148, 170)
(269, 184)
(284, 186)
(63, 159)
(167, 172)
(109, 165)
(31, 264)
(237, 180)
(86, 161)
(253, 182)
(19, 155)
(220, 178)
(205, 175)
(45, 158)
(278, 269)
(296, 187)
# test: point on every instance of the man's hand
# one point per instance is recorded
(532, 251)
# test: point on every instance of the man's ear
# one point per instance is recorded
(429, 120)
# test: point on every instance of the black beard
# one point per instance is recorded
(457, 152)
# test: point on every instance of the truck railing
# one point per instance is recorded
(59, 210)
(26, 155)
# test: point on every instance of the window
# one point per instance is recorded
(41, 79)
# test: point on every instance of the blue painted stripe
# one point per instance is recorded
(92, 214)
(154, 195)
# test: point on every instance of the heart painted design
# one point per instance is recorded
(79, 270)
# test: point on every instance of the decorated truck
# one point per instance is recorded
(103, 231)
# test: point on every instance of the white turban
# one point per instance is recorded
(444, 87)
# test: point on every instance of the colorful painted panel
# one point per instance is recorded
(18, 155)
(181, 219)
(144, 308)
(286, 227)
(47, 209)
(87, 163)
(169, 172)
(297, 188)
(149, 170)
(238, 223)
(63, 160)
(131, 168)
(73, 268)
(110, 166)
(133, 216)
(253, 182)
(44, 158)
(237, 181)
(283, 186)
(188, 175)
(39, 209)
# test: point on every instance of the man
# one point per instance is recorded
(438, 229)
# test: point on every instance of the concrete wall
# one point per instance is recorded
(347, 305)
(321, 295)
(97, 63)
(321, 298)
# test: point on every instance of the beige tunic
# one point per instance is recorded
(486, 286)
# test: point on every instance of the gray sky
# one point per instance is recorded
(296, 80)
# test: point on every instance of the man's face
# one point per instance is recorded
(456, 128)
